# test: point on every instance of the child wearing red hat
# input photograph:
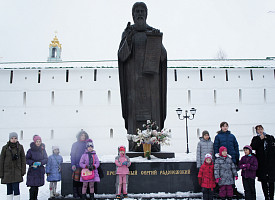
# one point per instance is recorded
(206, 177)
(122, 170)
(225, 172)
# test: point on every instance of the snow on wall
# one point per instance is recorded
(57, 102)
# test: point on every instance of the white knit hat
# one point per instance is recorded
(208, 155)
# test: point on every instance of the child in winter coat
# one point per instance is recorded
(89, 160)
(227, 139)
(78, 148)
(36, 158)
(225, 172)
(12, 166)
(249, 166)
(122, 170)
(206, 178)
(53, 170)
(204, 147)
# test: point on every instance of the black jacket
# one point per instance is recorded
(265, 156)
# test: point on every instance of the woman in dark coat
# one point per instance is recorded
(264, 146)
(36, 159)
(78, 148)
(12, 166)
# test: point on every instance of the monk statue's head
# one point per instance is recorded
(139, 13)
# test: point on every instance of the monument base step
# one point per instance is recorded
(140, 197)
(137, 197)
(162, 155)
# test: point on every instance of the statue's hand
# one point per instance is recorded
(128, 28)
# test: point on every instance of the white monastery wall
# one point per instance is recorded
(69, 99)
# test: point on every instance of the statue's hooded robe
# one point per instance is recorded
(143, 92)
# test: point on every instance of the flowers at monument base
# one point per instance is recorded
(150, 135)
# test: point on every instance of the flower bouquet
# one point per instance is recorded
(150, 135)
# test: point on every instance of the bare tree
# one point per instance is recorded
(221, 54)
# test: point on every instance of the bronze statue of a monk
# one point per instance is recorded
(142, 61)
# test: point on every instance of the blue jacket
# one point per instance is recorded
(229, 141)
(53, 168)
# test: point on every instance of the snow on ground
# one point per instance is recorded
(180, 157)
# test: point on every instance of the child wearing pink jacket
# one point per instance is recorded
(122, 163)
(90, 161)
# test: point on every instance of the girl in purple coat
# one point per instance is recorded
(90, 161)
(249, 166)
(36, 158)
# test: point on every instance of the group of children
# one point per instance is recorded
(13, 167)
(90, 161)
(221, 170)
(86, 168)
(37, 158)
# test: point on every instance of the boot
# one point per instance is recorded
(92, 196)
(54, 191)
(79, 191)
(83, 197)
(51, 193)
(36, 193)
(10, 197)
(16, 197)
(32, 193)
(237, 193)
(75, 192)
(125, 195)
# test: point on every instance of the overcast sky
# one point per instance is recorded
(91, 29)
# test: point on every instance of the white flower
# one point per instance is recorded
(153, 140)
(154, 133)
(150, 136)
(129, 137)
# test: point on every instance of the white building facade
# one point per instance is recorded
(57, 99)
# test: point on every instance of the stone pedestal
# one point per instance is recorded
(144, 177)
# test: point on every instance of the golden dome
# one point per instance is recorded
(55, 43)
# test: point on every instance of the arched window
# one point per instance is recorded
(53, 52)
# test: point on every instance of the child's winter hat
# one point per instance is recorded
(36, 137)
(205, 132)
(248, 147)
(208, 155)
(55, 148)
(122, 148)
(89, 143)
(222, 148)
(13, 134)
